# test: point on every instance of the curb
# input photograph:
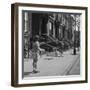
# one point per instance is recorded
(66, 72)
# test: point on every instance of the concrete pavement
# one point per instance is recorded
(54, 66)
(75, 69)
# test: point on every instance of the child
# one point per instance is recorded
(36, 51)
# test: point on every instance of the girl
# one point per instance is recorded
(36, 51)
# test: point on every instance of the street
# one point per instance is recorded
(50, 65)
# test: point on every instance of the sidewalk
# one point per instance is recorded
(51, 65)
(75, 70)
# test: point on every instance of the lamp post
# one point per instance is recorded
(78, 32)
(74, 49)
(74, 34)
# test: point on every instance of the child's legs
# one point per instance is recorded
(35, 59)
(34, 64)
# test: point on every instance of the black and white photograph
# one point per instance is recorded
(51, 44)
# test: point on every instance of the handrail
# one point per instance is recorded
(50, 37)
(53, 39)
(49, 45)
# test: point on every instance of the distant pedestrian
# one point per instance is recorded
(58, 49)
(56, 52)
(61, 49)
(36, 52)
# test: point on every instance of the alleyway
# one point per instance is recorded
(68, 64)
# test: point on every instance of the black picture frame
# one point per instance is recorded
(15, 43)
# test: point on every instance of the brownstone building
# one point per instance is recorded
(52, 28)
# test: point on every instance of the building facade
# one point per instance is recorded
(52, 28)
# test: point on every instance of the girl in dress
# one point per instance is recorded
(36, 52)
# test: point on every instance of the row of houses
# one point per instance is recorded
(54, 29)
